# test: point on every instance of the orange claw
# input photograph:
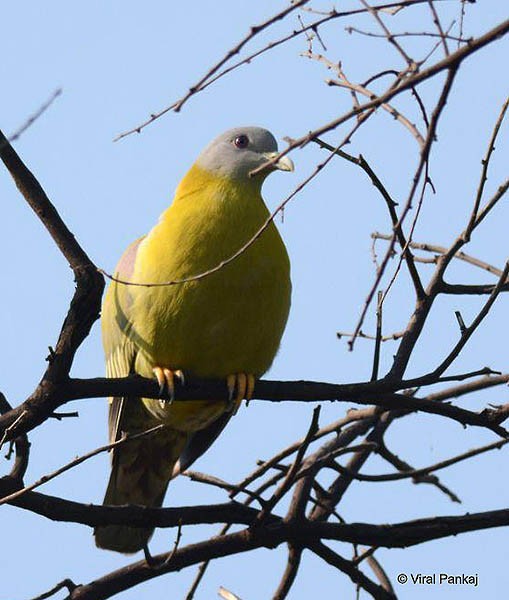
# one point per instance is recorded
(241, 383)
(166, 379)
(250, 387)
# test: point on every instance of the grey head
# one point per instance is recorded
(235, 153)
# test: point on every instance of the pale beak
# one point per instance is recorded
(283, 164)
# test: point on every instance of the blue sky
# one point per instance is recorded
(117, 62)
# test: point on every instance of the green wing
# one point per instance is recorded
(140, 469)
(120, 351)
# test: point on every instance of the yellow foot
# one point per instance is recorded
(240, 386)
(166, 380)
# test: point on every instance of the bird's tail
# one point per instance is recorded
(140, 474)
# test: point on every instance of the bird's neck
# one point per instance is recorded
(224, 211)
(198, 179)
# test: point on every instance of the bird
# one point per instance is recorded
(226, 324)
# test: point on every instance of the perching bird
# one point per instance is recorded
(227, 324)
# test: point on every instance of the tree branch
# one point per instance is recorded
(85, 304)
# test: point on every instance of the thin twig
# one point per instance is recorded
(366, 336)
(351, 570)
(229, 487)
(435, 248)
(360, 557)
(212, 76)
(391, 206)
(390, 38)
(236, 254)
(39, 112)
(226, 594)
(11, 428)
(264, 466)
(403, 466)
(409, 82)
(378, 338)
(21, 445)
(431, 34)
(77, 461)
(361, 89)
(417, 473)
(484, 171)
(290, 573)
(224, 530)
(380, 574)
(201, 84)
(436, 21)
(66, 583)
(294, 469)
(467, 333)
(421, 166)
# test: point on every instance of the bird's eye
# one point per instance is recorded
(241, 141)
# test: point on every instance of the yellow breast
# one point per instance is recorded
(227, 322)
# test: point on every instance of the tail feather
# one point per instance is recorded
(140, 475)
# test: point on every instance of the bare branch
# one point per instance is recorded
(423, 300)
(436, 21)
(361, 89)
(66, 583)
(85, 305)
(21, 445)
(292, 568)
(418, 473)
(391, 206)
(254, 30)
(212, 76)
(484, 173)
(403, 466)
(453, 61)
(77, 461)
(352, 571)
(390, 38)
(303, 509)
(436, 249)
(292, 472)
(38, 113)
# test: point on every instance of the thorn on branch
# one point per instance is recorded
(149, 559)
(59, 416)
(168, 560)
(360, 557)
(12, 426)
(51, 356)
(378, 338)
(226, 594)
(8, 456)
(461, 322)
(20, 444)
(160, 564)
(66, 583)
